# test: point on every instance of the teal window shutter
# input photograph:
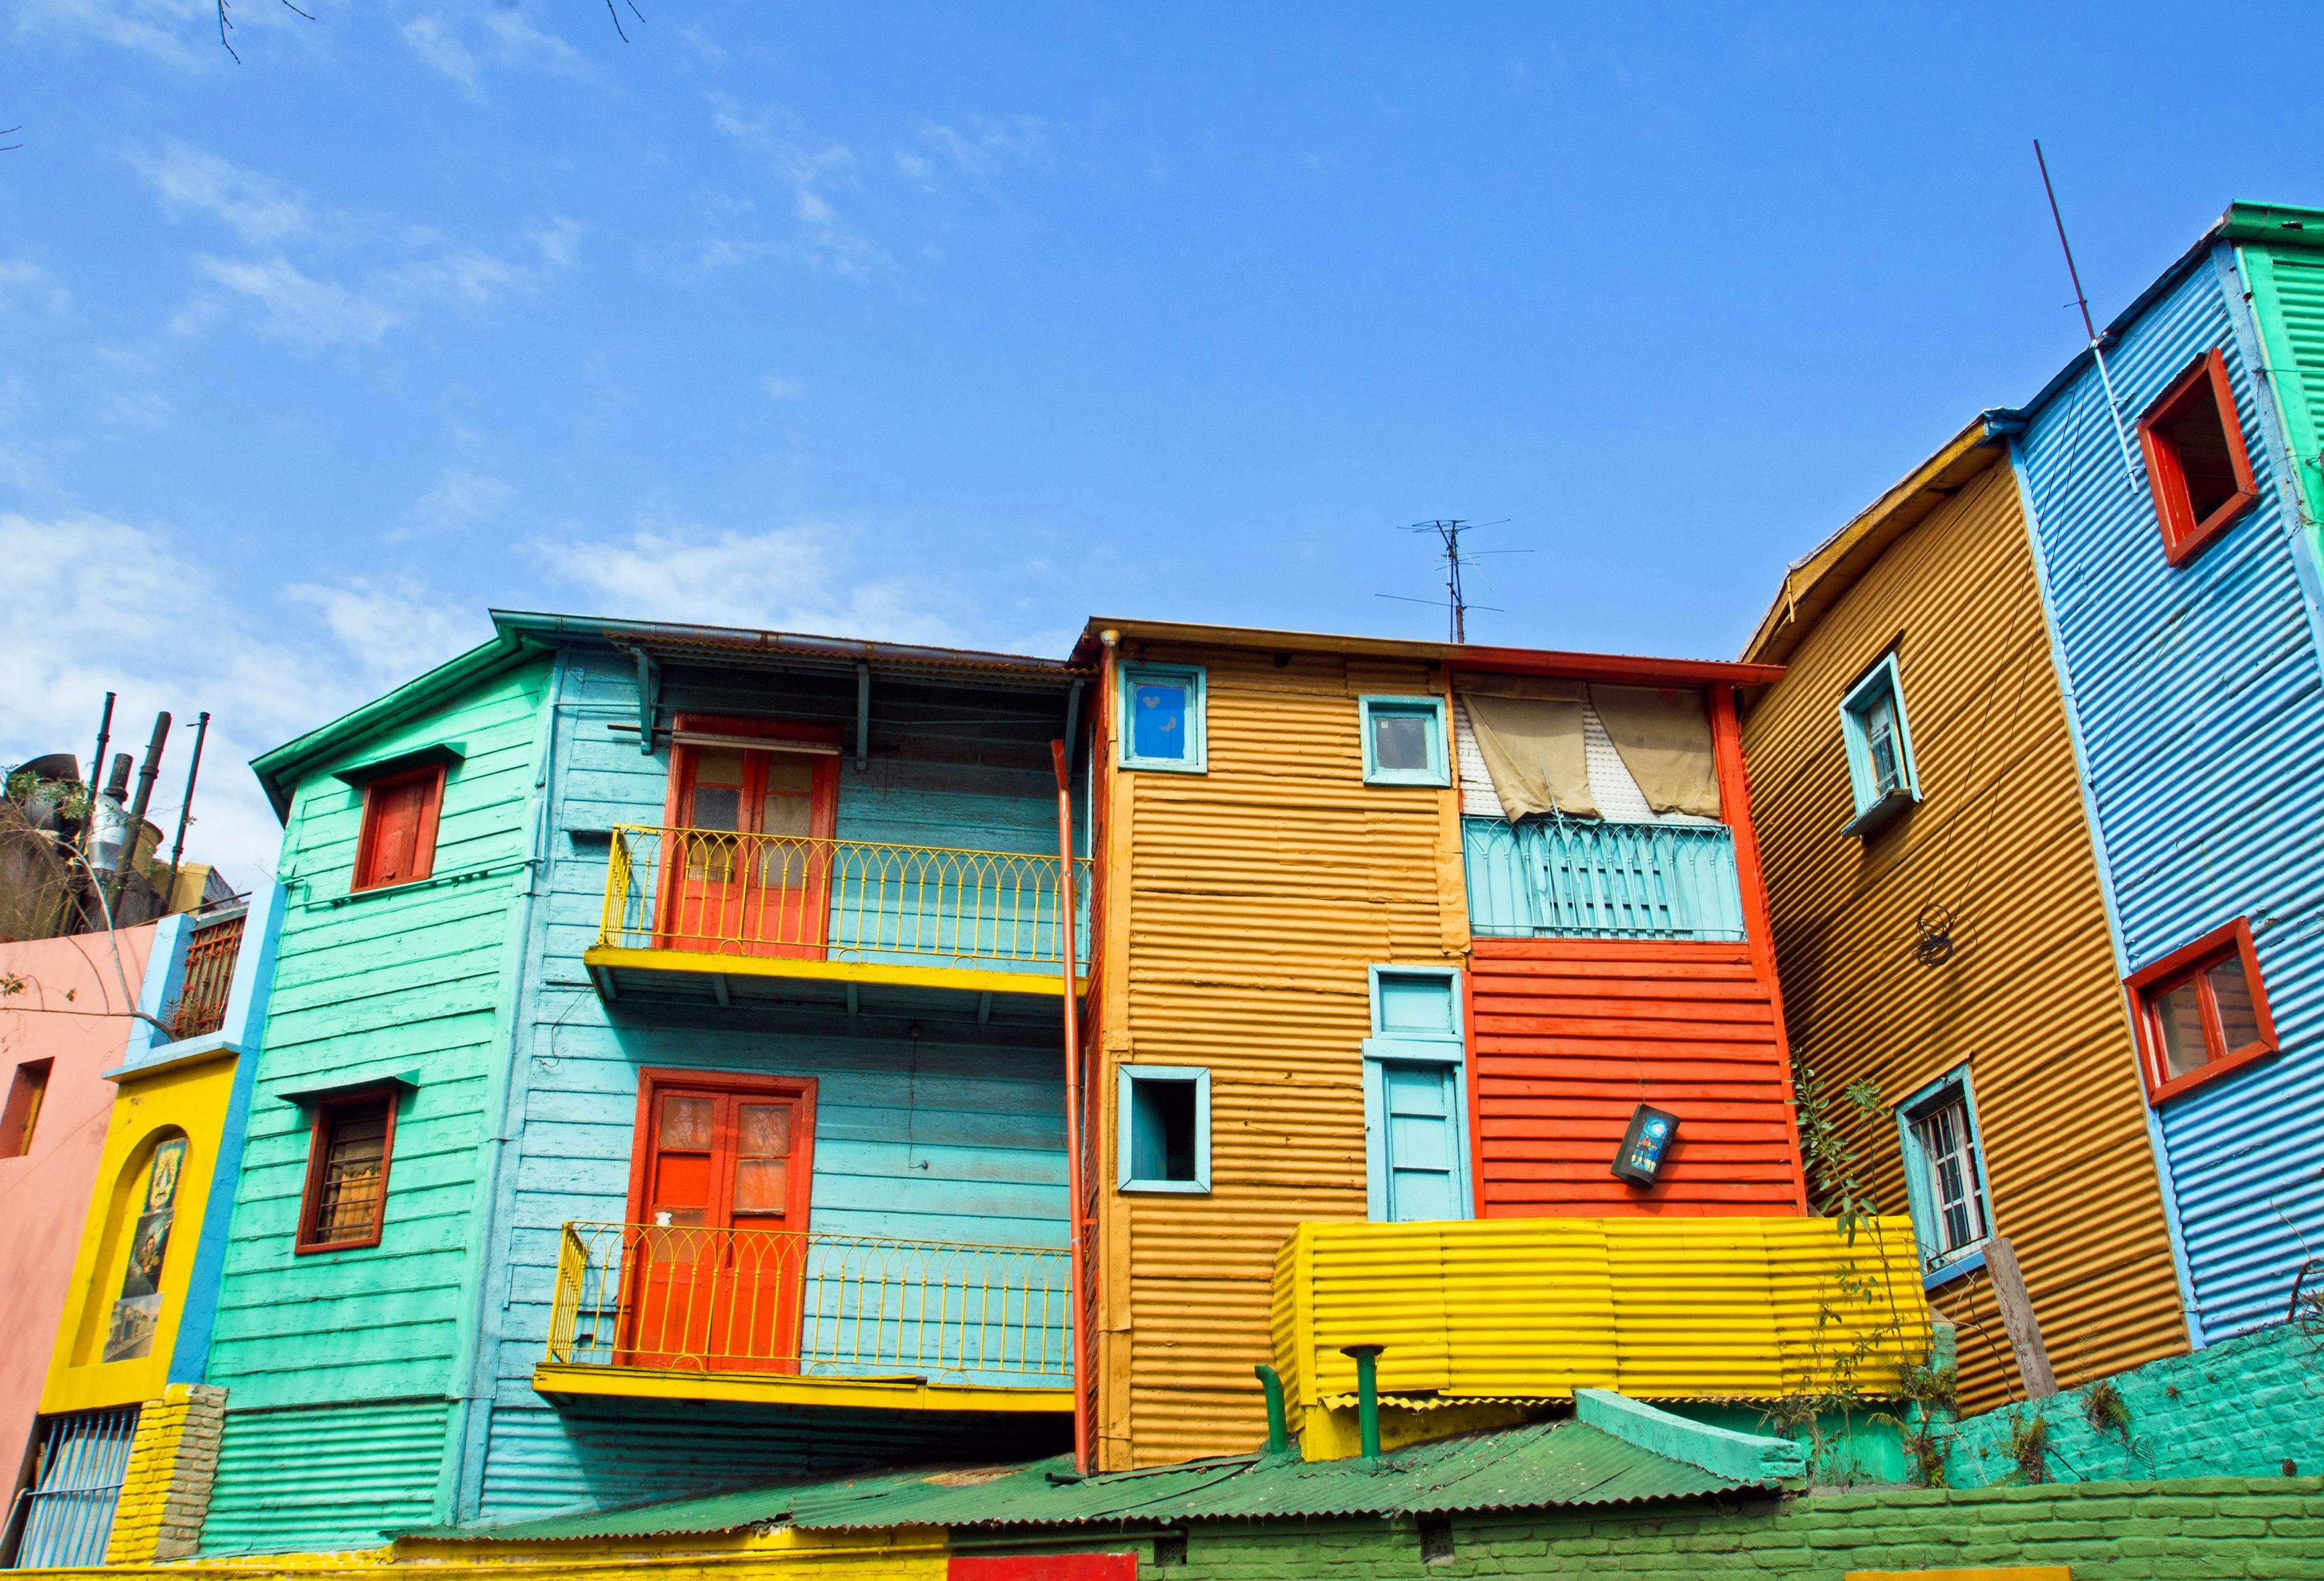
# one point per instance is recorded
(1881, 773)
(1416, 1098)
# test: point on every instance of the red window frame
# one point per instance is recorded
(318, 1148)
(423, 845)
(2195, 961)
(2183, 536)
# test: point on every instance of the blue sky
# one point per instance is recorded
(961, 324)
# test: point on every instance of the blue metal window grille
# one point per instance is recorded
(1165, 1113)
(1162, 714)
(1944, 1175)
(65, 1516)
(1579, 878)
(1404, 741)
(1879, 746)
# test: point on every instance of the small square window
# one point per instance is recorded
(2197, 467)
(1881, 778)
(397, 844)
(26, 1088)
(1162, 718)
(1165, 1141)
(1945, 1176)
(2202, 1012)
(345, 1205)
(1404, 741)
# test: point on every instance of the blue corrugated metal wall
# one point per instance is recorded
(956, 1135)
(2200, 704)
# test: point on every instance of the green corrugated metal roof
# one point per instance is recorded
(1546, 1464)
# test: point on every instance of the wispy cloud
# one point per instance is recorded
(466, 46)
(26, 287)
(170, 30)
(389, 627)
(803, 577)
(978, 148)
(296, 308)
(194, 181)
(460, 499)
(779, 387)
(812, 172)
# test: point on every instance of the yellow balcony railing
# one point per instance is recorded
(714, 892)
(680, 1298)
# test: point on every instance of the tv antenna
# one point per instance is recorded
(1448, 532)
(2097, 352)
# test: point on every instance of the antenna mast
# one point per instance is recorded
(2114, 407)
(1449, 531)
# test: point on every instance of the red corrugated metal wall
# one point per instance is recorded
(1569, 1035)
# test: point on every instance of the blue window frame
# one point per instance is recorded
(1162, 718)
(1416, 1098)
(1404, 741)
(1944, 1177)
(1164, 1120)
(1880, 769)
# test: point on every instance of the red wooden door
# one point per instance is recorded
(719, 1197)
(726, 892)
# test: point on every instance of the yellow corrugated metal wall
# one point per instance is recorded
(1244, 907)
(2029, 999)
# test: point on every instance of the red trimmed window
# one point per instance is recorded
(2196, 464)
(25, 1089)
(2202, 1012)
(345, 1200)
(398, 842)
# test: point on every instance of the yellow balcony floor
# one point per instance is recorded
(904, 1392)
(616, 967)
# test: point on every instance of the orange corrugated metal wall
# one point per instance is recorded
(1243, 908)
(1568, 1036)
(2029, 999)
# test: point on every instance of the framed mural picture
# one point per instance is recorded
(138, 1311)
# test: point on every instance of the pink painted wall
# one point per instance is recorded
(44, 1195)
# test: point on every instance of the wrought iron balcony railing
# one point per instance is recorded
(715, 892)
(211, 955)
(687, 1298)
(1577, 878)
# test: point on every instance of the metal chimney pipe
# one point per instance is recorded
(97, 766)
(186, 807)
(147, 770)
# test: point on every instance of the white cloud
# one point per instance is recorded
(978, 148)
(193, 181)
(803, 577)
(295, 307)
(463, 48)
(77, 578)
(810, 170)
(779, 387)
(170, 30)
(460, 499)
(25, 286)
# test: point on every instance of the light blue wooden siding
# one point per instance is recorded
(2200, 716)
(397, 981)
(957, 1134)
(1586, 879)
(1422, 1141)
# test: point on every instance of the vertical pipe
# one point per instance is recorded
(186, 807)
(1057, 754)
(1279, 1427)
(96, 763)
(147, 769)
(1367, 1359)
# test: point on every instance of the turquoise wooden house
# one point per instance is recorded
(664, 1084)
(2176, 533)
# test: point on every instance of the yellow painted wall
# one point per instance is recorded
(2029, 1000)
(191, 1098)
(1655, 1308)
(1242, 908)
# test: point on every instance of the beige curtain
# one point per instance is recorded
(1664, 738)
(1529, 732)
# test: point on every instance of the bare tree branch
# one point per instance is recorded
(12, 147)
(614, 12)
(226, 25)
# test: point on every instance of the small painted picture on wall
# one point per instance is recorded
(130, 1336)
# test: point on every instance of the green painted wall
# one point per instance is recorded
(414, 980)
(2240, 1407)
(2103, 1531)
(2287, 298)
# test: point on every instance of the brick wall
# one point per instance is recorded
(166, 1491)
(2253, 1529)
(2240, 1407)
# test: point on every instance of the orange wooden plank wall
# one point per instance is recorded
(1567, 1037)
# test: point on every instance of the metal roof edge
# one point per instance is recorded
(548, 629)
(1819, 579)
(1743, 1458)
(1637, 668)
(2280, 224)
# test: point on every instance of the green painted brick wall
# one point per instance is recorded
(2240, 1407)
(2210, 1528)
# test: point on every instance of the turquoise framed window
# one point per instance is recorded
(1944, 1177)
(1162, 718)
(1416, 1098)
(1164, 1114)
(1404, 741)
(1879, 744)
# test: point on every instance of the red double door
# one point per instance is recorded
(723, 890)
(718, 1208)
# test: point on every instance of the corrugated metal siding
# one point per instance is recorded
(1252, 900)
(2029, 998)
(331, 1478)
(1670, 1309)
(1570, 1035)
(2202, 721)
